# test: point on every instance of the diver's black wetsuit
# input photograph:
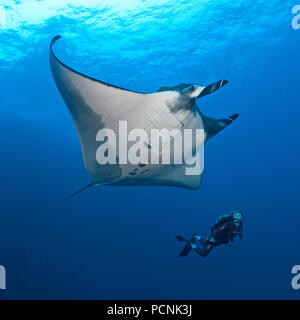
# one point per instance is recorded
(222, 232)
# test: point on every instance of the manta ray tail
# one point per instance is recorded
(75, 193)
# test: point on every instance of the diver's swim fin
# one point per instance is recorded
(180, 238)
(187, 248)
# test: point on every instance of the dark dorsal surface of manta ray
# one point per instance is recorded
(95, 105)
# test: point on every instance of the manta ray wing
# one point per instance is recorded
(95, 105)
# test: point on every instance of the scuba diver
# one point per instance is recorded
(226, 228)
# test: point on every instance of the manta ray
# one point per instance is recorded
(95, 105)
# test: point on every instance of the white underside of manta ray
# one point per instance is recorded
(95, 105)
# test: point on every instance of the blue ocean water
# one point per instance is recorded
(118, 242)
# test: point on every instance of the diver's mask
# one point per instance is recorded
(237, 218)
